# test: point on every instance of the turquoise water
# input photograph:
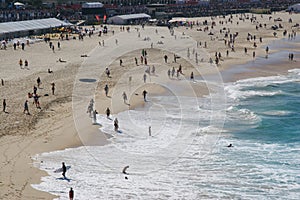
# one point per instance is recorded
(267, 143)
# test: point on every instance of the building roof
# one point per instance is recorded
(133, 16)
(10, 27)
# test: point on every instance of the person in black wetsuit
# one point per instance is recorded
(64, 169)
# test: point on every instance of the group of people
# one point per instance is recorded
(25, 64)
(171, 72)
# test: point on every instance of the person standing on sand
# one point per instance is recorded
(71, 194)
(95, 116)
(53, 88)
(145, 94)
(173, 72)
(38, 80)
(4, 105)
(26, 109)
(166, 58)
(145, 78)
(107, 112)
(136, 61)
(64, 169)
(192, 76)
(116, 124)
(21, 63)
(106, 89)
(26, 63)
(124, 97)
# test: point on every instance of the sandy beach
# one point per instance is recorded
(62, 121)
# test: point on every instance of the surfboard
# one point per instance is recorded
(61, 170)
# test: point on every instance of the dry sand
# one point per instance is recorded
(52, 127)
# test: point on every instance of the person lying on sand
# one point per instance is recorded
(60, 60)
(124, 169)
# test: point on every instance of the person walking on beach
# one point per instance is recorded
(116, 124)
(192, 76)
(106, 89)
(26, 64)
(107, 113)
(145, 94)
(34, 89)
(38, 80)
(64, 169)
(21, 63)
(173, 72)
(124, 97)
(26, 109)
(107, 71)
(145, 78)
(53, 88)
(95, 116)
(4, 105)
(71, 194)
(153, 69)
(267, 50)
(166, 58)
(169, 73)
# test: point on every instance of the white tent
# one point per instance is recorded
(127, 19)
(92, 5)
(19, 4)
(178, 19)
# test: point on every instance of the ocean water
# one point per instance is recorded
(186, 156)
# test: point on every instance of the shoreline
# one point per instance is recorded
(56, 140)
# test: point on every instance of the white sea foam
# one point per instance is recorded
(245, 171)
(277, 113)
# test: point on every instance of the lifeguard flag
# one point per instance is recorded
(97, 17)
(104, 18)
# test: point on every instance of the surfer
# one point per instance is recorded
(64, 169)
(124, 169)
(230, 145)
